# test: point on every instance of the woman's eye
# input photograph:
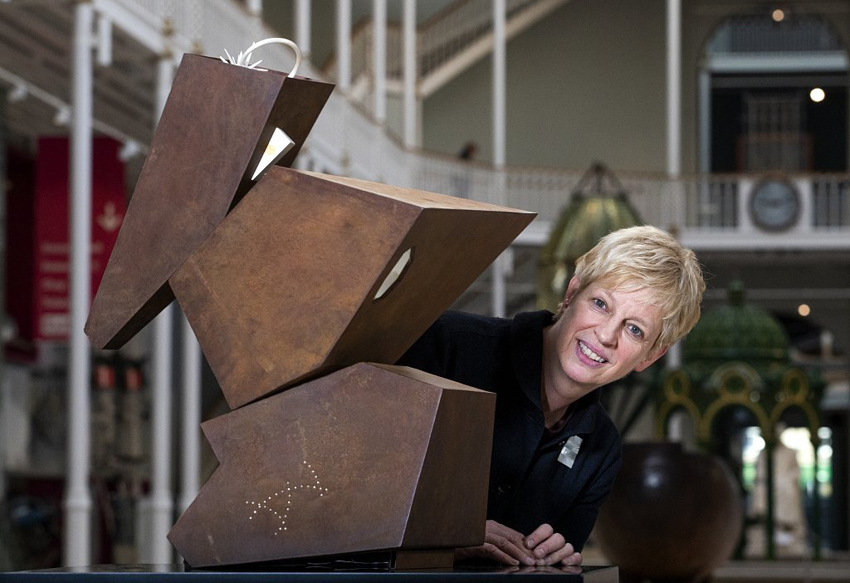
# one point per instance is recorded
(599, 303)
(635, 331)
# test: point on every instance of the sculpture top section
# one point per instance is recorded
(215, 127)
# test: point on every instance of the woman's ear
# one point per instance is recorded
(653, 356)
(572, 290)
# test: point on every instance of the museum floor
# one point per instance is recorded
(784, 571)
(834, 568)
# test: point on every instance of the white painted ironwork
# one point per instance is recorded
(255, 7)
(831, 202)
(161, 497)
(409, 132)
(78, 500)
(499, 269)
(452, 31)
(447, 44)
(704, 119)
(190, 441)
(343, 44)
(759, 33)
(499, 84)
(379, 58)
(674, 87)
(302, 25)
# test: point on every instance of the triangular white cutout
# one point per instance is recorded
(279, 145)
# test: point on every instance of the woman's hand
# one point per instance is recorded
(501, 544)
(542, 547)
(549, 548)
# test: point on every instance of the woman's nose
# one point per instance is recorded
(607, 332)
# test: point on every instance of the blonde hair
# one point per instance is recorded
(647, 257)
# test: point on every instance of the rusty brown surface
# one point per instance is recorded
(214, 128)
(284, 289)
(354, 461)
(433, 515)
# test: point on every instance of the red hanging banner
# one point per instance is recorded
(51, 246)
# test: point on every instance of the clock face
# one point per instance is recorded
(774, 205)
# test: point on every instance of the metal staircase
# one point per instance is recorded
(447, 44)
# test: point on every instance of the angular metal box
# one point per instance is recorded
(285, 288)
(214, 129)
(371, 457)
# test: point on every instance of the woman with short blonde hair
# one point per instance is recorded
(555, 450)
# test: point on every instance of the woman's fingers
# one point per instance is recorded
(508, 541)
(540, 534)
(502, 544)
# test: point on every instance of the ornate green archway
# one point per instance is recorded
(737, 356)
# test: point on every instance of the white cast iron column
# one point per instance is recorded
(255, 8)
(78, 502)
(409, 40)
(379, 58)
(704, 120)
(162, 503)
(343, 44)
(190, 466)
(499, 122)
(302, 27)
(674, 120)
(674, 87)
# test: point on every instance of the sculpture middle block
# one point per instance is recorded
(294, 282)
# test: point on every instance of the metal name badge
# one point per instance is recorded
(570, 451)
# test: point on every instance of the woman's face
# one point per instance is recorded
(602, 336)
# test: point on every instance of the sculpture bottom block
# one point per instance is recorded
(371, 457)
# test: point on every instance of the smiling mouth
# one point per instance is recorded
(589, 353)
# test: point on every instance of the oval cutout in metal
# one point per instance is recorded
(395, 273)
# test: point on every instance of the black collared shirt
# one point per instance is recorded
(528, 485)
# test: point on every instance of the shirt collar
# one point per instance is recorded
(527, 347)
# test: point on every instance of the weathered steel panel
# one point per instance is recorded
(214, 128)
(354, 461)
(284, 289)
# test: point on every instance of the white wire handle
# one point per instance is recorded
(243, 58)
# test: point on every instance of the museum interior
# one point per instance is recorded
(723, 122)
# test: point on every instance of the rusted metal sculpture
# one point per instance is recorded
(287, 287)
(370, 457)
(307, 277)
(201, 163)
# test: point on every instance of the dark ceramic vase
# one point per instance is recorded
(672, 515)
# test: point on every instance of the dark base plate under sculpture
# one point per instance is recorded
(319, 574)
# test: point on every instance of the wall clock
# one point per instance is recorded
(774, 204)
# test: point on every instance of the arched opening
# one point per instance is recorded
(803, 504)
(734, 440)
(681, 428)
(773, 95)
